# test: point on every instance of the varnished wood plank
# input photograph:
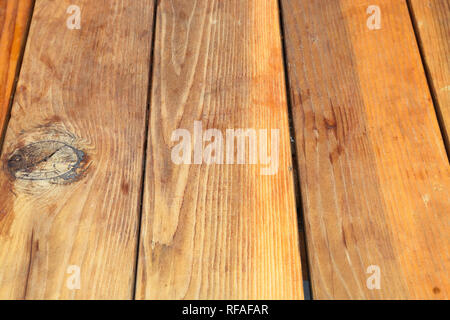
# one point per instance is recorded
(72, 160)
(373, 170)
(432, 18)
(219, 230)
(14, 18)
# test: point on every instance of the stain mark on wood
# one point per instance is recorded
(125, 187)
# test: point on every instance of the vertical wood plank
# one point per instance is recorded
(432, 18)
(14, 19)
(72, 160)
(221, 230)
(373, 169)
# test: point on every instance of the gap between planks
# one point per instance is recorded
(144, 156)
(298, 195)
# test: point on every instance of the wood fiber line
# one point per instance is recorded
(432, 19)
(218, 231)
(72, 159)
(373, 170)
(14, 19)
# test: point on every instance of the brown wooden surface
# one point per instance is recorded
(432, 19)
(218, 231)
(14, 18)
(373, 169)
(79, 91)
(373, 172)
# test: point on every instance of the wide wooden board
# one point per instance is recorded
(221, 230)
(373, 169)
(72, 161)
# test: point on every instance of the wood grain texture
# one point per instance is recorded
(432, 18)
(72, 161)
(14, 18)
(373, 169)
(221, 230)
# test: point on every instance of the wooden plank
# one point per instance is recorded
(373, 169)
(14, 18)
(432, 19)
(72, 160)
(220, 230)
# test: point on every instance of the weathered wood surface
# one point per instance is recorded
(72, 160)
(432, 19)
(220, 230)
(14, 18)
(373, 169)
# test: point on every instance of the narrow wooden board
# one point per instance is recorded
(432, 19)
(72, 160)
(220, 230)
(373, 169)
(14, 18)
